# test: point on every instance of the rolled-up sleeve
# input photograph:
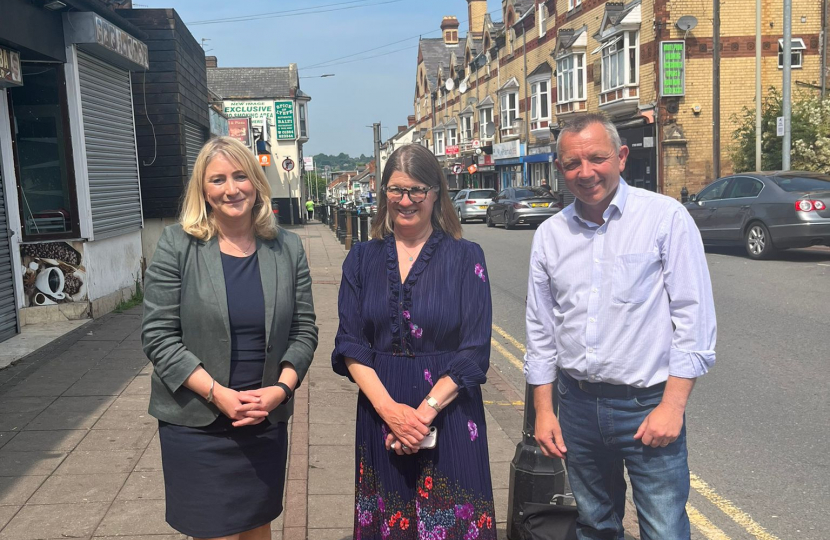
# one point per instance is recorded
(161, 329)
(691, 304)
(351, 341)
(469, 366)
(540, 358)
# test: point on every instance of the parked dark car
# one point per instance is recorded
(473, 203)
(370, 209)
(517, 205)
(764, 212)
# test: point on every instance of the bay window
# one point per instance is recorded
(539, 104)
(620, 71)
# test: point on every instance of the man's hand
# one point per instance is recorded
(661, 427)
(549, 435)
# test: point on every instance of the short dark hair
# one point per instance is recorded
(420, 164)
(581, 122)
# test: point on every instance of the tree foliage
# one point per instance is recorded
(341, 162)
(810, 134)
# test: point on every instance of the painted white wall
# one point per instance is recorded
(151, 233)
(10, 190)
(112, 264)
(391, 146)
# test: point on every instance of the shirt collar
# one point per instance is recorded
(617, 202)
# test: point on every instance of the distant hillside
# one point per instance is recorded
(341, 162)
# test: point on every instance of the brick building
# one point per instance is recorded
(497, 96)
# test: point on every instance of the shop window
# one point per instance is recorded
(43, 154)
(303, 122)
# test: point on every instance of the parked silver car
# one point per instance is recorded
(473, 203)
(765, 211)
(516, 205)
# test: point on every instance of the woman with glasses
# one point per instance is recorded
(415, 319)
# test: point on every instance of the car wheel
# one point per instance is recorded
(489, 221)
(461, 219)
(758, 242)
(507, 225)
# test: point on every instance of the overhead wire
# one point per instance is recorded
(291, 13)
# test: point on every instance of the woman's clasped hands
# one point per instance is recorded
(408, 427)
(249, 407)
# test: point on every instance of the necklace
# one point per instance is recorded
(418, 250)
(411, 257)
(243, 251)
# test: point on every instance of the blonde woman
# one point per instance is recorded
(229, 327)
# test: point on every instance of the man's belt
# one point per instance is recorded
(613, 391)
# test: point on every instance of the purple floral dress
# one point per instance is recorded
(436, 323)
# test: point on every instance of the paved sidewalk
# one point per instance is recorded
(79, 455)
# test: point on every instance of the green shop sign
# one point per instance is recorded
(284, 113)
(672, 68)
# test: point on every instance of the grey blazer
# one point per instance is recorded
(186, 320)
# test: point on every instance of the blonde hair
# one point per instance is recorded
(420, 164)
(196, 216)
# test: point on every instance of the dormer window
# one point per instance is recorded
(619, 36)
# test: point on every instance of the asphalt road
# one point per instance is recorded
(759, 422)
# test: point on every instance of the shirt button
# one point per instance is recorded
(592, 319)
(600, 232)
(596, 260)
(590, 349)
(594, 290)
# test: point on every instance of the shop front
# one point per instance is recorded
(539, 166)
(69, 166)
(508, 161)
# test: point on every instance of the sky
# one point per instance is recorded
(375, 86)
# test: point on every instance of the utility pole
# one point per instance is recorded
(376, 128)
(786, 89)
(716, 89)
(758, 111)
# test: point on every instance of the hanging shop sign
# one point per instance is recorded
(265, 160)
(240, 129)
(507, 150)
(255, 110)
(672, 68)
(452, 150)
(102, 38)
(308, 163)
(472, 169)
(10, 74)
(288, 164)
(284, 113)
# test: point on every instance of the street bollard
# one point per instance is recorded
(341, 225)
(684, 195)
(364, 228)
(533, 477)
(355, 227)
(333, 217)
(347, 239)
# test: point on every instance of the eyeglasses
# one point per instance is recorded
(416, 194)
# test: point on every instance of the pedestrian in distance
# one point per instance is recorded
(620, 323)
(415, 324)
(309, 208)
(544, 185)
(229, 326)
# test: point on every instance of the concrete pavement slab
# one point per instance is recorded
(16, 421)
(6, 514)
(71, 413)
(145, 537)
(6, 436)
(151, 458)
(24, 404)
(16, 490)
(64, 440)
(81, 488)
(331, 470)
(330, 512)
(138, 517)
(29, 463)
(139, 386)
(112, 461)
(126, 419)
(39, 521)
(135, 402)
(116, 439)
(143, 485)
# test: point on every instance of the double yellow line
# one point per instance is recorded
(708, 529)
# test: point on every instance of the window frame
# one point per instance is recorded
(619, 62)
(573, 4)
(302, 120)
(467, 132)
(482, 126)
(711, 187)
(540, 100)
(543, 19)
(506, 119)
(439, 147)
(797, 51)
(452, 136)
(577, 80)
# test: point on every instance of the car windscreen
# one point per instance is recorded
(803, 183)
(482, 194)
(531, 193)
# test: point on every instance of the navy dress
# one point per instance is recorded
(221, 480)
(436, 323)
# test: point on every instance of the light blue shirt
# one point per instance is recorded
(628, 302)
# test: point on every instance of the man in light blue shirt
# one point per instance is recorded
(620, 317)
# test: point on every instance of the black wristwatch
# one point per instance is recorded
(289, 393)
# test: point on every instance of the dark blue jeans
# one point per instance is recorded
(599, 435)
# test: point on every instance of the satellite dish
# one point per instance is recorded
(490, 129)
(449, 85)
(686, 23)
(462, 87)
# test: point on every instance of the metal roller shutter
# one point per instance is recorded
(109, 136)
(194, 139)
(8, 306)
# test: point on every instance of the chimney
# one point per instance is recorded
(476, 10)
(410, 120)
(210, 61)
(449, 29)
(401, 129)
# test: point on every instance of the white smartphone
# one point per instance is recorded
(429, 442)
